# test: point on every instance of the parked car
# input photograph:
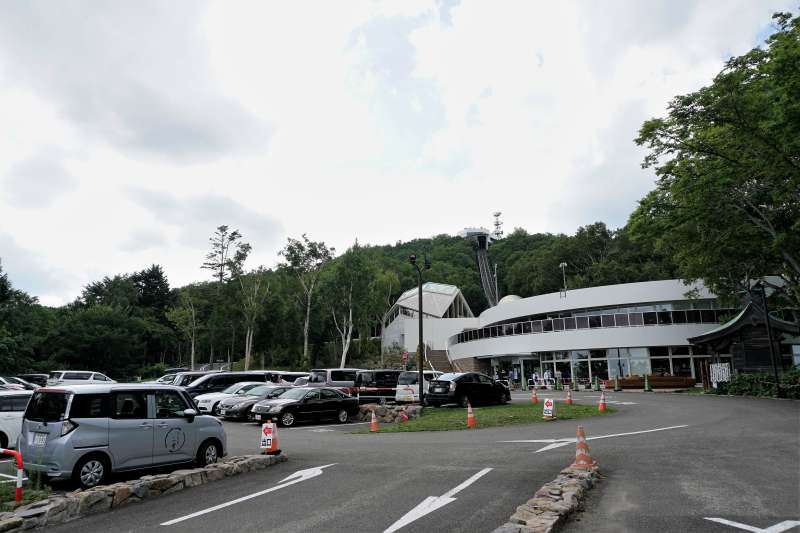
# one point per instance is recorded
(7, 383)
(36, 379)
(407, 385)
(376, 386)
(85, 433)
(285, 378)
(209, 403)
(219, 381)
(238, 407)
(77, 377)
(184, 379)
(300, 382)
(12, 406)
(463, 387)
(19, 381)
(307, 403)
(342, 378)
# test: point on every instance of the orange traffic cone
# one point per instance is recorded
(471, 422)
(602, 405)
(534, 397)
(569, 397)
(583, 459)
(403, 416)
(373, 424)
(269, 439)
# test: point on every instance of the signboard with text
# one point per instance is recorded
(549, 408)
(267, 433)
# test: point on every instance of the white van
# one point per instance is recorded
(78, 377)
(12, 407)
(407, 389)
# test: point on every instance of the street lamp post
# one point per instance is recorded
(772, 357)
(420, 346)
(563, 267)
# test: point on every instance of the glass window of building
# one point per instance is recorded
(607, 321)
(682, 366)
(582, 322)
(680, 350)
(693, 317)
(618, 368)
(635, 319)
(536, 327)
(659, 351)
(581, 369)
(558, 324)
(546, 356)
(597, 354)
(594, 321)
(526, 327)
(679, 317)
(640, 362)
(575, 355)
(621, 319)
(599, 369)
(547, 325)
(569, 323)
(708, 316)
(664, 317)
(650, 318)
(661, 366)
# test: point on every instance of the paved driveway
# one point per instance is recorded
(736, 458)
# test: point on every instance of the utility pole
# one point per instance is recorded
(563, 292)
(772, 356)
(420, 345)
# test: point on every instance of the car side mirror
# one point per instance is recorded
(190, 414)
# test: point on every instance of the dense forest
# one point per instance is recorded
(725, 209)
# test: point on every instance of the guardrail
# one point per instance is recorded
(20, 472)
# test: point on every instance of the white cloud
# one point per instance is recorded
(376, 120)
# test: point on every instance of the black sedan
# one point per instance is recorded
(307, 403)
(463, 387)
(238, 407)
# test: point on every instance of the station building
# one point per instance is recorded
(609, 331)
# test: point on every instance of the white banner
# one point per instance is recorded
(720, 372)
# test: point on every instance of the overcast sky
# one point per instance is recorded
(132, 129)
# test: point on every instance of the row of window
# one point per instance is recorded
(704, 316)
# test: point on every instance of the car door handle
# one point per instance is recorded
(162, 425)
(145, 425)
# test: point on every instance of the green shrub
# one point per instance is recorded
(762, 385)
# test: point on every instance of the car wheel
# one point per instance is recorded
(463, 401)
(3, 440)
(342, 417)
(287, 419)
(208, 454)
(91, 471)
(215, 409)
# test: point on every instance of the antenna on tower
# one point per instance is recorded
(498, 225)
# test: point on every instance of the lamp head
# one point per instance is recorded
(412, 259)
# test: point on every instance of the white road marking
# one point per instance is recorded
(432, 503)
(777, 528)
(297, 477)
(558, 443)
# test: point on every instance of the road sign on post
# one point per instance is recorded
(267, 433)
(549, 411)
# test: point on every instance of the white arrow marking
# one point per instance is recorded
(558, 443)
(431, 503)
(297, 477)
(777, 528)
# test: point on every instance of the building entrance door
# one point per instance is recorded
(701, 370)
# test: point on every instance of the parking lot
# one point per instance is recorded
(669, 462)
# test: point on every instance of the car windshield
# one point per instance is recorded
(450, 376)
(166, 378)
(261, 390)
(294, 394)
(239, 388)
(318, 377)
(47, 406)
(408, 378)
(55, 375)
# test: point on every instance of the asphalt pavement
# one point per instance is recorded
(736, 459)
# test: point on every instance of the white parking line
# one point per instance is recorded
(558, 443)
(777, 528)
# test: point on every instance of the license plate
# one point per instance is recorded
(257, 417)
(39, 439)
(437, 389)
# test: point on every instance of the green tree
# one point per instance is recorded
(228, 254)
(185, 318)
(727, 157)
(305, 260)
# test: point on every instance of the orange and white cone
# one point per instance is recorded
(569, 397)
(583, 459)
(602, 405)
(471, 422)
(373, 424)
(534, 397)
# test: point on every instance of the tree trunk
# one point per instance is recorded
(191, 367)
(306, 363)
(248, 347)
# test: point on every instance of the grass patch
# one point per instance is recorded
(454, 418)
(693, 390)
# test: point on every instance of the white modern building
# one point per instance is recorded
(615, 330)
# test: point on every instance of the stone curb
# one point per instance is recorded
(553, 503)
(387, 413)
(73, 505)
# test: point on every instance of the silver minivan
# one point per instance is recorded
(85, 432)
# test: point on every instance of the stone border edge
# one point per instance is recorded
(556, 500)
(77, 504)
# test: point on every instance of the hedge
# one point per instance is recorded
(762, 385)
